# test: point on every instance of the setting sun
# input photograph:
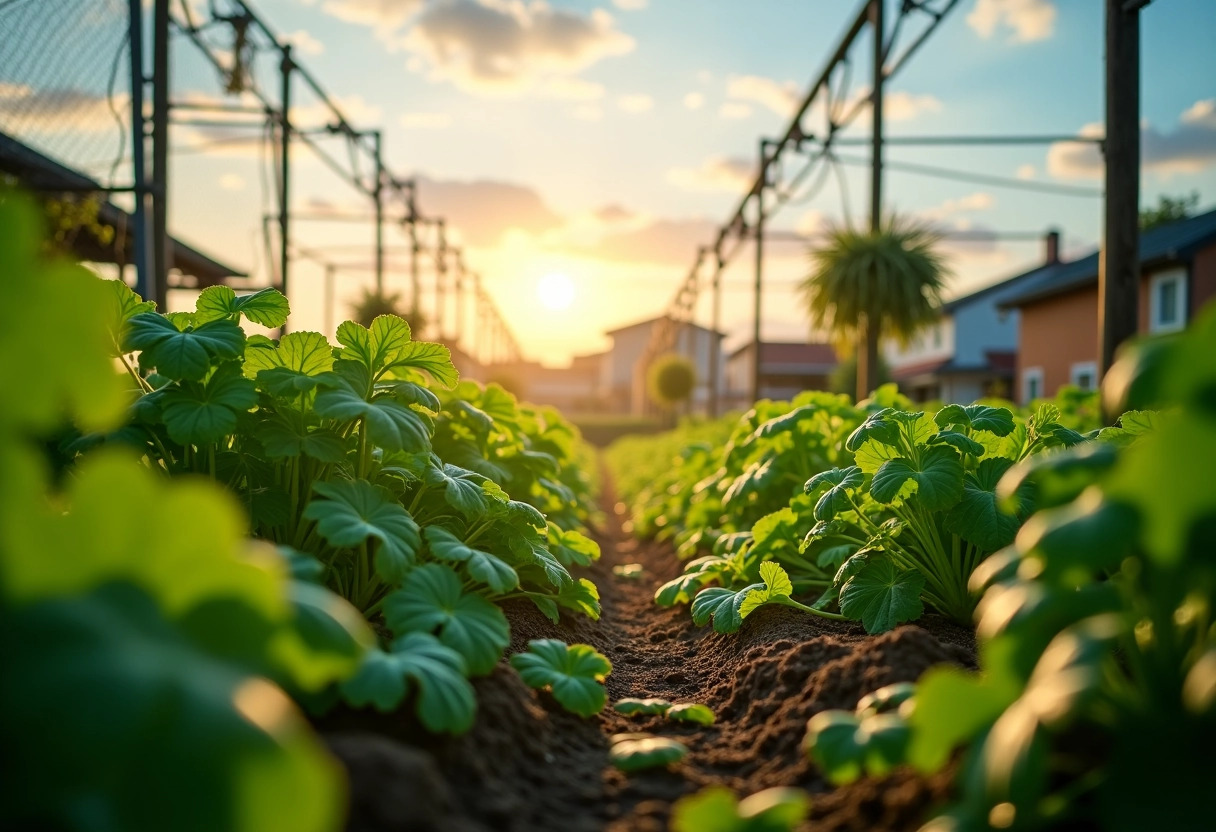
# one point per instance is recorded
(555, 291)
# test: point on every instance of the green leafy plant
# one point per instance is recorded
(716, 809)
(873, 738)
(574, 673)
(691, 712)
(638, 752)
(1097, 650)
(641, 707)
(348, 455)
(147, 641)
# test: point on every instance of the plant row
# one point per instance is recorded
(873, 511)
(199, 526)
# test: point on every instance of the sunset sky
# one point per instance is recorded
(604, 141)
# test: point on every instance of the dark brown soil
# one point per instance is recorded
(528, 765)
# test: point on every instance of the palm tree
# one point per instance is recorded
(865, 285)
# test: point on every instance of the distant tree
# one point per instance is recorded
(372, 304)
(671, 380)
(844, 377)
(866, 285)
(1168, 209)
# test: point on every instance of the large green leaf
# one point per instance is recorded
(938, 478)
(572, 548)
(581, 596)
(836, 499)
(292, 367)
(723, 605)
(575, 673)
(355, 511)
(284, 435)
(103, 698)
(376, 347)
(977, 518)
(882, 595)
(461, 489)
(197, 413)
(435, 359)
(267, 307)
(483, 567)
(432, 600)
(122, 305)
(389, 424)
(995, 420)
(832, 738)
(776, 585)
(325, 639)
(446, 702)
(182, 354)
(960, 442)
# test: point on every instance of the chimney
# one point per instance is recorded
(1051, 245)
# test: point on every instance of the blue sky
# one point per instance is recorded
(652, 110)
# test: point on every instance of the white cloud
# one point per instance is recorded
(1189, 148)
(232, 182)
(57, 110)
(978, 201)
(638, 103)
(384, 15)
(718, 173)
(425, 121)
(1027, 171)
(506, 47)
(304, 43)
(694, 100)
(630, 5)
(734, 109)
(1029, 19)
(905, 106)
(781, 98)
(357, 111)
(482, 211)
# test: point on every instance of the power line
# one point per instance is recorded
(978, 178)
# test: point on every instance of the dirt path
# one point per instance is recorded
(528, 765)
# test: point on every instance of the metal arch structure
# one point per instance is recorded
(891, 52)
(394, 198)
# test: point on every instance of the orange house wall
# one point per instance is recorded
(1063, 330)
(1055, 334)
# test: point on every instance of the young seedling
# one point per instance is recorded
(574, 674)
(690, 712)
(641, 707)
(637, 752)
(717, 809)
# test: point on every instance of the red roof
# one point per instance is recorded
(797, 353)
(910, 370)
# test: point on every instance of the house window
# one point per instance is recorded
(1167, 301)
(1032, 384)
(1085, 375)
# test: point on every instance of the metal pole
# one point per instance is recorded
(460, 299)
(867, 353)
(378, 195)
(160, 154)
(415, 290)
(140, 237)
(715, 350)
(285, 68)
(441, 273)
(1119, 263)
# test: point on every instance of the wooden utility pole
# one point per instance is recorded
(1119, 263)
(286, 65)
(867, 349)
(715, 348)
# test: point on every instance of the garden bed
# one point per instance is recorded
(529, 765)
